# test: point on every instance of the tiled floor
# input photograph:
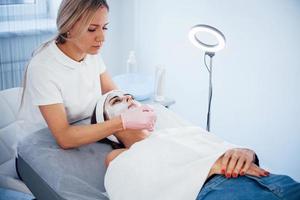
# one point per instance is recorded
(6, 194)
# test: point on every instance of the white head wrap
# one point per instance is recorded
(100, 112)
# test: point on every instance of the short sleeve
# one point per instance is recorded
(101, 65)
(42, 88)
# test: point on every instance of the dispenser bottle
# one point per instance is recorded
(131, 63)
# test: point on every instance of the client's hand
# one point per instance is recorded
(237, 162)
(142, 117)
(253, 170)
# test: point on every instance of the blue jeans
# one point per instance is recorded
(249, 187)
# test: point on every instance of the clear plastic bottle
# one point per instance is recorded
(159, 87)
(131, 63)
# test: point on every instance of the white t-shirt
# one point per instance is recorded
(53, 77)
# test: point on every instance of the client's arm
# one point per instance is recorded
(112, 155)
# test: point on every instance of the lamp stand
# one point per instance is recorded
(210, 91)
(209, 50)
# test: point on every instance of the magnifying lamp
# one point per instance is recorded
(210, 50)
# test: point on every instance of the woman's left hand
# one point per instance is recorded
(236, 162)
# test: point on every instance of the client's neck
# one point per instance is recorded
(129, 137)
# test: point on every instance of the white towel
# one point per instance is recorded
(171, 164)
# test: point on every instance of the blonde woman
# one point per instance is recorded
(65, 77)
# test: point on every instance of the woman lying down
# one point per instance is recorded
(185, 163)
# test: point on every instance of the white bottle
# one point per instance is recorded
(131, 63)
(159, 86)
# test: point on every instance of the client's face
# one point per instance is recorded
(118, 102)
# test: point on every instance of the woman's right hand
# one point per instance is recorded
(253, 170)
(142, 117)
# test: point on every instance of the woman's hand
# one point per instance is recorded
(253, 170)
(237, 162)
(142, 117)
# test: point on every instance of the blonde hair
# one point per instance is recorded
(70, 12)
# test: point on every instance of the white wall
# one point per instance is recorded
(120, 35)
(256, 84)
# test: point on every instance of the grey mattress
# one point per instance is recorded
(53, 173)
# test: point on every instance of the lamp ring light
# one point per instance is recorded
(207, 29)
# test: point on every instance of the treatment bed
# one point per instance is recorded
(52, 173)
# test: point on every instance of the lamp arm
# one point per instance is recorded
(210, 90)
